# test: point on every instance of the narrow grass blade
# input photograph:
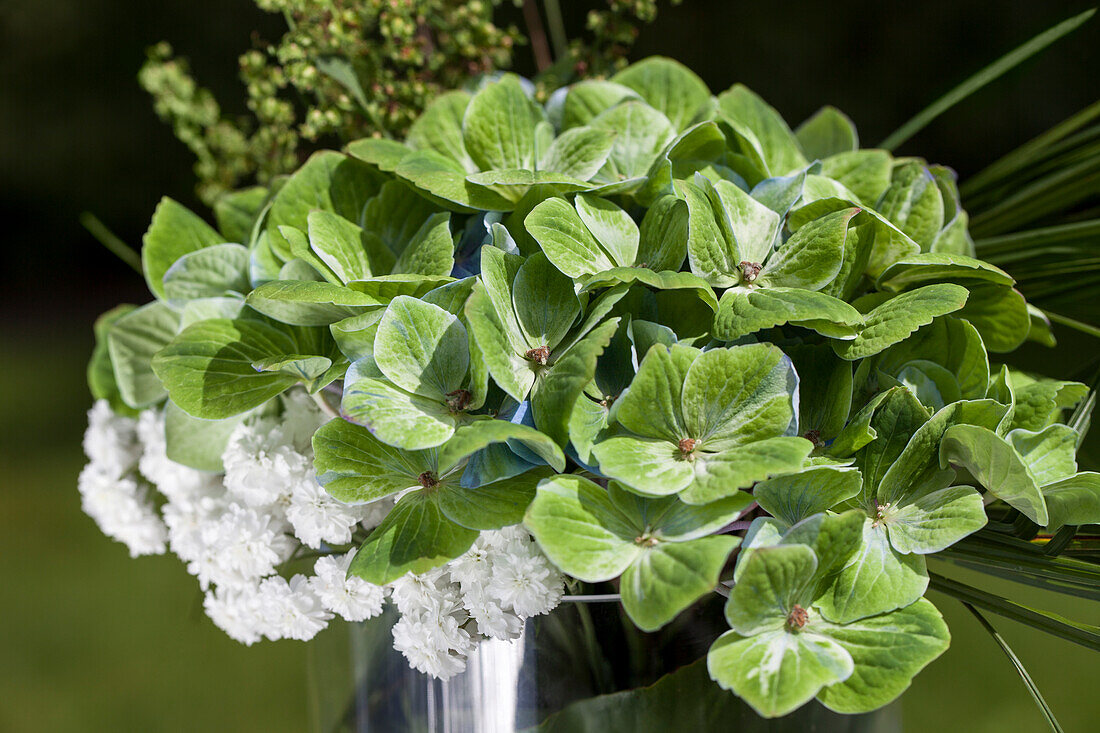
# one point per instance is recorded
(977, 81)
(1020, 669)
(109, 240)
(1083, 634)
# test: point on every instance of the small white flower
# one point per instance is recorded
(353, 599)
(110, 440)
(318, 517)
(241, 545)
(237, 611)
(434, 645)
(291, 610)
(123, 511)
(492, 620)
(529, 584)
(261, 466)
(473, 567)
(430, 593)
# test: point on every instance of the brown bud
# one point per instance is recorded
(814, 436)
(539, 355)
(427, 479)
(797, 617)
(458, 400)
(687, 445)
(750, 270)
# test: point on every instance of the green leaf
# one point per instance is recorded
(356, 467)
(236, 213)
(664, 280)
(394, 216)
(422, 348)
(581, 531)
(641, 134)
(995, 465)
(668, 86)
(557, 389)
(738, 395)
(719, 475)
(545, 303)
(1074, 500)
(439, 128)
(101, 374)
(876, 579)
(866, 173)
(173, 232)
(893, 320)
(329, 181)
(207, 368)
(663, 235)
(395, 416)
(825, 390)
(887, 651)
(745, 110)
(746, 310)
(380, 152)
(413, 538)
(743, 220)
(520, 185)
(652, 405)
(445, 182)
(512, 373)
(471, 438)
(651, 465)
(950, 342)
(914, 203)
(777, 672)
(196, 443)
(936, 521)
(345, 248)
(431, 251)
(565, 239)
(611, 226)
(930, 267)
(1000, 315)
(667, 577)
(813, 255)
(491, 506)
(132, 341)
(586, 99)
(795, 497)
(499, 126)
(209, 272)
(711, 254)
(309, 303)
(827, 132)
(1048, 453)
(578, 153)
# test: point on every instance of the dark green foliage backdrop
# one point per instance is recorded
(91, 640)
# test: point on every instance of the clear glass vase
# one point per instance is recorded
(583, 668)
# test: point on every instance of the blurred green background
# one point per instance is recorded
(91, 640)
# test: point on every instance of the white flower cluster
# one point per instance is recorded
(486, 593)
(234, 531)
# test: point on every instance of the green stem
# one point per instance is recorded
(109, 240)
(557, 29)
(1020, 669)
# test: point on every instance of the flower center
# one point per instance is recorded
(687, 448)
(797, 618)
(883, 513)
(814, 436)
(427, 479)
(750, 270)
(458, 400)
(539, 355)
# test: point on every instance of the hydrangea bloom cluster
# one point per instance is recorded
(237, 530)
(642, 335)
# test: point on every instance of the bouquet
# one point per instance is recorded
(640, 334)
